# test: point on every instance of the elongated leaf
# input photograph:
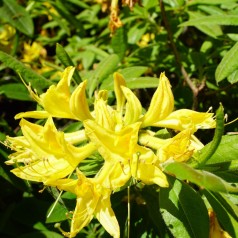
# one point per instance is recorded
(17, 16)
(205, 154)
(211, 20)
(209, 2)
(152, 204)
(37, 81)
(119, 42)
(15, 91)
(226, 219)
(131, 75)
(202, 178)
(183, 210)
(211, 30)
(228, 64)
(103, 70)
(227, 150)
(66, 61)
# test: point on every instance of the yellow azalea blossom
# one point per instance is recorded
(120, 134)
(92, 200)
(43, 154)
(33, 52)
(124, 158)
(7, 33)
(58, 101)
(178, 148)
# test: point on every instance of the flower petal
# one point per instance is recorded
(106, 217)
(133, 106)
(118, 82)
(184, 119)
(162, 103)
(78, 103)
(119, 143)
(56, 99)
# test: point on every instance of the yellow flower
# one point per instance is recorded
(124, 158)
(120, 134)
(43, 153)
(92, 200)
(33, 52)
(58, 101)
(6, 34)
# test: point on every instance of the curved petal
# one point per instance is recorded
(106, 216)
(104, 113)
(184, 119)
(119, 143)
(118, 82)
(44, 170)
(33, 114)
(143, 167)
(56, 99)
(162, 103)
(78, 103)
(133, 106)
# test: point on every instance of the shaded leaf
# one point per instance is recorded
(17, 16)
(211, 30)
(228, 222)
(103, 70)
(183, 210)
(37, 81)
(41, 234)
(119, 42)
(66, 61)
(15, 91)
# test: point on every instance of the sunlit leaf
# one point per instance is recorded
(228, 64)
(204, 179)
(183, 210)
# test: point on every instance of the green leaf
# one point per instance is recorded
(226, 219)
(37, 81)
(228, 64)
(131, 75)
(152, 204)
(136, 32)
(58, 214)
(183, 210)
(15, 91)
(209, 2)
(202, 178)
(213, 20)
(17, 16)
(66, 61)
(203, 155)
(233, 78)
(226, 152)
(211, 30)
(103, 70)
(119, 42)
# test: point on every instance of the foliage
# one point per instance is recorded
(194, 42)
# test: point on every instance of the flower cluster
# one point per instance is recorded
(121, 134)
